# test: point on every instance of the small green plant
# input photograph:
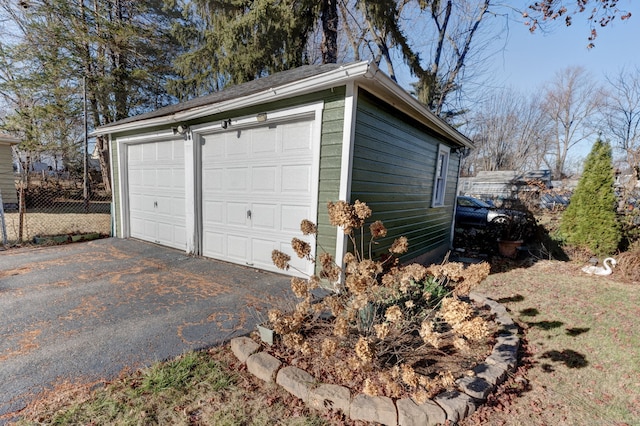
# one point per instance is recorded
(381, 317)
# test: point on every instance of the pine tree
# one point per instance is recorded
(590, 221)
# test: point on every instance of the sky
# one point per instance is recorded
(529, 60)
(525, 61)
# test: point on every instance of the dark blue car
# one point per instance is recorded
(473, 212)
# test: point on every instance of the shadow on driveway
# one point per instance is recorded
(85, 312)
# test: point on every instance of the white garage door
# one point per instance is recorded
(257, 186)
(157, 192)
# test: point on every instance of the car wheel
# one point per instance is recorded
(500, 220)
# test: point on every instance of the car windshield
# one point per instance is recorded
(472, 202)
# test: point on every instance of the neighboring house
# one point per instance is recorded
(231, 175)
(7, 177)
(505, 184)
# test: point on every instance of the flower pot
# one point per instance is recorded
(266, 334)
(509, 248)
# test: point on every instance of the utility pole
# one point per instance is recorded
(86, 147)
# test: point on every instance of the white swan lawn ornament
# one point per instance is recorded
(601, 270)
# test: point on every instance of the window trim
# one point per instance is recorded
(440, 175)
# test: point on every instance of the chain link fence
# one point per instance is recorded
(52, 207)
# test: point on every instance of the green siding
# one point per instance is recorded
(330, 161)
(393, 172)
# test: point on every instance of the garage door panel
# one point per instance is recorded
(214, 241)
(236, 179)
(263, 172)
(296, 178)
(264, 141)
(297, 137)
(156, 188)
(238, 247)
(264, 179)
(292, 215)
(236, 145)
(236, 214)
(213, 212)
(265, 216)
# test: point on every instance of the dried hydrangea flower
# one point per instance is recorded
(382, 330)
(341, 214)
(308, 228)
(369, 267)
(409, 376)
(313, 282)
(393, 314)
(369, 388)
(429, 335)
(475, 329)
(299, 287)
(341, 327)
(280, 259)
(447, 379)
(365, 350)
(357, 284)
(378, 229)
(455, 311)
(399, 246)
(329, 347)
(302, 248)
(361, 210)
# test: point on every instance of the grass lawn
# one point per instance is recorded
(580, 366)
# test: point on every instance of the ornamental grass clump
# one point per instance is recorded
(385, 329)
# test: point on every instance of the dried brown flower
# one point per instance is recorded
(313, 282)
(378, 229)
(308, 228)
(399, 246)
(341, 214)
(409, 376)
(357, 284)
(475, 329)
(334, 305)
(341, 327)
(370, 388)
(369, 267)
(393, 314)
(280, 259)
(329, 269)
(329, 347)
(365, 350)
(429, 335)
(382, 330)
(362, 211)
(299, 287)
(302, 248)
(455, 311)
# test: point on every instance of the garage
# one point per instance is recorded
(258, 183)
(231, 174)
(156, 189)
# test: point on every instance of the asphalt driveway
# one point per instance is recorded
(84, 312)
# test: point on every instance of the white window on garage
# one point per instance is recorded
(440, 182)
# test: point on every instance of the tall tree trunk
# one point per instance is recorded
(329, 31)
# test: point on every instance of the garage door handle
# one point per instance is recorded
(248, 214)
(155, 204)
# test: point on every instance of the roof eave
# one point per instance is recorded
(411, 106)
(323, 81)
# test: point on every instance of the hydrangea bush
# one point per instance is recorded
(382, 321)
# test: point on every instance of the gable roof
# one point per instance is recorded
(290, 83)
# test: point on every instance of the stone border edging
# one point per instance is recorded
(451, 405)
